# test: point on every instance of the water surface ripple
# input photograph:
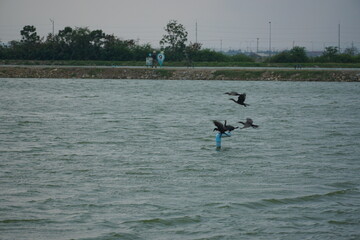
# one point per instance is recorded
(136, 159)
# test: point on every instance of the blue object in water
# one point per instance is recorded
(218, 138)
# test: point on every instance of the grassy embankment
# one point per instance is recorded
(55, 71)
(294, 75)
(176, 64)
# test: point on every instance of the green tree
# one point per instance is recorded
(81, 47)
(191, 50)
(29, 35)
(174, 40)
(298, 54)
(63, 44)
(295, 55)
(330, 52)
(30, 43)
(352, 51)
(116, 49)
(207, 55)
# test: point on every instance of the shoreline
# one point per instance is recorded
(94, 72)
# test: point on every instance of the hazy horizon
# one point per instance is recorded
(221, 25)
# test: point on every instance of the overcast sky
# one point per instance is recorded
(221, 24)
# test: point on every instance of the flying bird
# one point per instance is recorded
(248, 123)
(229, 127)
(219, 127)
(241, 100)
(232, 93)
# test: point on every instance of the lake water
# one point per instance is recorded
(136, 159)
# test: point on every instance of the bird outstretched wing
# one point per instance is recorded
(232, 93)
(220, 127)
(242, 97)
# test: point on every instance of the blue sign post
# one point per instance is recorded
(161, 58)
(218, 139)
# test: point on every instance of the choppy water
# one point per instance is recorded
(136, 159)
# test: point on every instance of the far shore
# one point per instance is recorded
(174, 73)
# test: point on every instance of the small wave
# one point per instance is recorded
(114, 236)
(21, 220)
(342, 222)
(346, 184)
(138, 173)
(300, 199)
(83, 96)
(98, 113)
(89, 96)
(190, 169)
(98, 143)
(22, 123)
(308, 197)
(169, 221)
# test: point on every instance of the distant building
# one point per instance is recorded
(314, 53)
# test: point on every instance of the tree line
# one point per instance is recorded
(81, 43)
(330, 55)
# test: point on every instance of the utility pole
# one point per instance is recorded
(270, 40)
(257, 45)
(312, 46)
(220, 45)
(53, 32)
(196, 39)
(339, 38)
(53, 38)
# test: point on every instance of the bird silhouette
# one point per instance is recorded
(229, 127)
(241, 100)
(219, 127)
(248, 123)
(232, 93)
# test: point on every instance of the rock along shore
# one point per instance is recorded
(178, 74)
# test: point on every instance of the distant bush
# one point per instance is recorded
(295, 55)
(332, 55)
(208, 55)
(240, 58)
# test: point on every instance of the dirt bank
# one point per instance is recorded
(177, 74)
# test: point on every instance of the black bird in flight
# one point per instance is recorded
(219, 127)
(232, 93)
(229, 127)
(248, 123)
(241, 100)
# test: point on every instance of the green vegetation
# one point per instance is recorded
(330, 55)
(240, 74)
(164, 73)
(82, 46)
(95, 71)
(87, 47)
(175, 64)
(295, 55)
(276, 74)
